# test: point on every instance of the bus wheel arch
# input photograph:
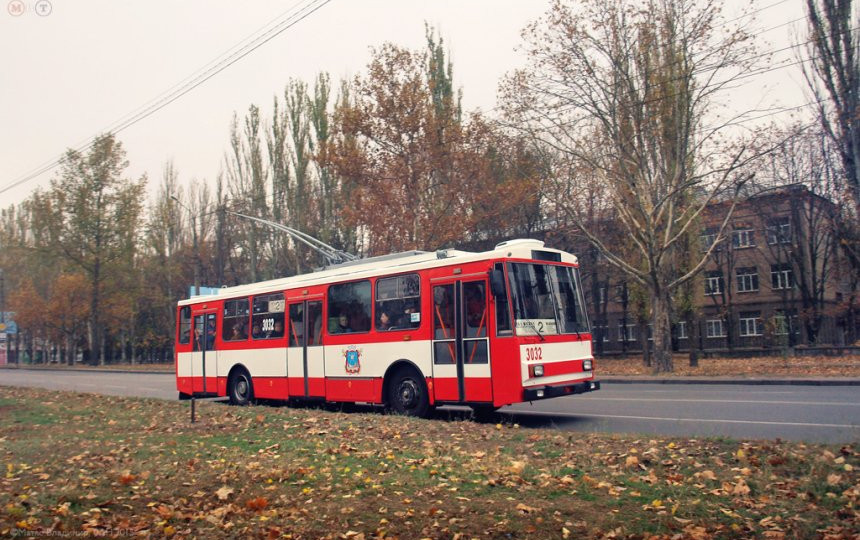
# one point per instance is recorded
(405, 391)
(240, 388)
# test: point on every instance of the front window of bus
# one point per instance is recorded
(546, 299)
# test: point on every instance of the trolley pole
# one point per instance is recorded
(3, 311)
(7, 345)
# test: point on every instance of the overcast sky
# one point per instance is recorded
(73, 68)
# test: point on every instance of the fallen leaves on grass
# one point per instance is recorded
(245, 472)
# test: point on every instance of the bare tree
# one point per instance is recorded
(622, 88)
(803, 236)
(833, 76)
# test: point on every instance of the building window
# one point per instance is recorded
(750, 322)
(601, 332)
(681, 330)
(714, 328)
(747, 279)
(627, 332)
(621, 293)
(781, 276)
(601, 294)
(784, 323)
(779, 231)
(708, 238)
(713, 283)
(743, 237)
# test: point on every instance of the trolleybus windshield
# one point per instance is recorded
(547, 299)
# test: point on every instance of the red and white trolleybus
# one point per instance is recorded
(410, 330)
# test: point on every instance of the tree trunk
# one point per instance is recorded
(101, 349)
(646, 350)
(662, 339)
(693, 340)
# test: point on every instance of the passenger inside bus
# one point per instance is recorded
(342, 326)
(238, 332)
(385, 322)
(255, 330)
(278, 330)
(210, 336)
(198, 337)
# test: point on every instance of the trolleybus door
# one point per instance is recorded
(461, 358)
(203, 355)
(305, 357)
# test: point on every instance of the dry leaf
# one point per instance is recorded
(527, 509)
(708, 475)
(224, 493)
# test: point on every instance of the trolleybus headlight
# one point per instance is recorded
(538, 371)
(586, 365)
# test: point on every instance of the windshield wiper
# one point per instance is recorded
(534, 327)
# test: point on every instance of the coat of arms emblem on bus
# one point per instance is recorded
(353, 359)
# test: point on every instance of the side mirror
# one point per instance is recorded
(497, 284)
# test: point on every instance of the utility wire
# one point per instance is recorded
(193, 82)
(754, 73)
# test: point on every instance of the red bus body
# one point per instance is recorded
(468, 340)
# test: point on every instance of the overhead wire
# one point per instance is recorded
(211, 71)
(190, 83)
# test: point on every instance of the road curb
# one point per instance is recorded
(610, 379)
(750, 382)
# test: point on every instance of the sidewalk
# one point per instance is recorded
(729, 379)
(149, 370)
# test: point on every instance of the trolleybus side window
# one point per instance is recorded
(296, 326)
(185, 325)
(235, 324)
(444, 333)
(503, 311)
(569, 301)
(349, 307)
(267, 321)
(398, 303)
(315, 323)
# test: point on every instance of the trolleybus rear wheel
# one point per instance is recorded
(408, 394)
(240, 389)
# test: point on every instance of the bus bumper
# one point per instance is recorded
(544, 392)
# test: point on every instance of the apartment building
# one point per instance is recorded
(776, 278)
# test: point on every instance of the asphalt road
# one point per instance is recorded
(804, 413)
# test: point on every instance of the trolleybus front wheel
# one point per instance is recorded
(239, 388)
(408, 394)
(484, 413)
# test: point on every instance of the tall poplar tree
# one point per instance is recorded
(98, 215)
